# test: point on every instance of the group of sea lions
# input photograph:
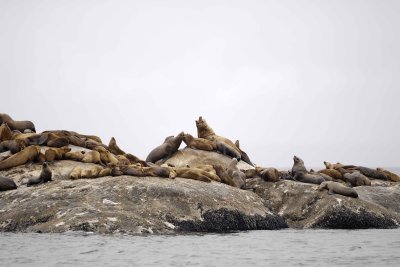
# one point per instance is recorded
(25, 145)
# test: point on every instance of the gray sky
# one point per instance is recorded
(319, 79)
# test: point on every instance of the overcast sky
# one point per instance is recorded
(318, 79)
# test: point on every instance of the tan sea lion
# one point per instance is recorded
(335, 174)
(16, 125)
(165, 150)
(5, 132)
(105, 172)
(75, 173)
(133, 159)
(106, 156)
(206, 132)
(224, 176)
(76, 141)
(93, 172)
(7, 184)
(92, 157)
(199, 143)
(55, 153)
(123, 160)
(298, 166)
(44, 177)
(27, 154)
(191, 173)
(237, 176)
(252, 173)
(75, 155)
(389, 175)
(334, 187)
(356, 179)
(114, 148)
(13, 146)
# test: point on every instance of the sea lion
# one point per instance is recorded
(389, 175)
(133, 160)
(270, 175)
(334, 187)
(5, 132)
(206, 132)
(356, 179)
(114, 148)
(105, 172)
(58, 142)
(329, 165)
(227, 150)
(371, 173)
(55, 153)
(237, 176)
(224, 176)
(298, 166)
(157, 171)
(323, 175)
(165, 150)
(92, 157)
(243, 154)
(76, 140)
(335, 174)
(308, 178)
(252, 173)
(106, 156)
(123, 160)
(7, 184)
(13, 146)
(198, 143)
(193, 174)
(16, 125)
(205, 167)
(27, 154)
(44, 177)
(75, 173)
(92, 172)
(75, 155)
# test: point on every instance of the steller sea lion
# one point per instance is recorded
(92, 157)
(5, 132)
(206, 132)
(27, 154)
(356, 179)
(7, 184)
(75, 173)
(123, 160)
(298, 166)
(243, 154)
(237, 176)
(270, 174)
(106, 156)
(335, 174)
(92, 172)
(227, 150)
(224, 176)
(58, 142)
(75, 155)
(44, 177)
(308, 178)
(133, 160)
(16, 125)
(389, 175)
(338, 188)
(198, 143)
(13, 146)
(114, 148)
(165, 150)
(371, 173)
(193, 174)
(55, 153)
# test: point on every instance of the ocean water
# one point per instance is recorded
(253, 248)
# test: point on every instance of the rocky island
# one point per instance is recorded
(211, 185)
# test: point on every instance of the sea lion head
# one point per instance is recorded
(297, 159)
(45, 165)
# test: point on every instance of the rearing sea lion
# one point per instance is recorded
(44, 177)
(298, 166)
(165, 150)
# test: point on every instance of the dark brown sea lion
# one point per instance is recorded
(133, 159)
(308, 178)
(44, 177)
(334, 187)
(58, 142)
(55, 153)
(356, 179)
(7, 184)
(198, 143)
(227, 150)
(298, 166)
(5, 132)
(114, 148)
(270, 175)
(389, 175)
(243, 154)
(13, 146)
(16, 125)
(206, 132)
(165, 150)
(237, 176)
(224, 176)
(27, 154)
(371, 173)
